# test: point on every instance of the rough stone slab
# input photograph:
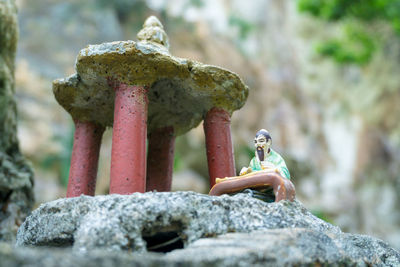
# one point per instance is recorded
(276, 247)
(181, 91)
(118, 222)
(289, 247)
(217, 231)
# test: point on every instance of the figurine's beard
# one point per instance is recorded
(260, 153)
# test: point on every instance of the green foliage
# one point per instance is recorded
(196, 3)
(357, 46)
(329, 10)
(245, 150)
(61, 161)
(65, 157)
(178, 161)
(366, 10)
(322, 215)
(244, 26)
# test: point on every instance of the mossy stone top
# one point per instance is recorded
(180, 92)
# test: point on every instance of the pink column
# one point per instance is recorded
(160, 159)
(128, 155)
(217, 129)
(84, 159)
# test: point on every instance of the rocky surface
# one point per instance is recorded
(207, 231)
(181, 91)
(119, 222)
(277, 247)
(16, 178)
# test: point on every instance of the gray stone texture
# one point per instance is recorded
(16, 178)
(215, 231)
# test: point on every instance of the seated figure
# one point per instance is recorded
(267, 178)
(265, 157)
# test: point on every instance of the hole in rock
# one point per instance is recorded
(164, 239)
(57, 242)
(163, 242)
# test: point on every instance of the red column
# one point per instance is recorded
(128, 155)
(84, 159)
(217, 128)
(160, 159)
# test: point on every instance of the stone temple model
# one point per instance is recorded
(142, 91)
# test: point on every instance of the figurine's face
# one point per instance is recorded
(261, 142)
(262, 146)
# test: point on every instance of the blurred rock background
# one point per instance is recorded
(333, 114)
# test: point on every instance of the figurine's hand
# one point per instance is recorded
(267, 165)
(245, 170)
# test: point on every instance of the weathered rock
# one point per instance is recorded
(278, 247)
(181, 91)
(16, 178)
(291, 246)
(119, 222)
(112, 229)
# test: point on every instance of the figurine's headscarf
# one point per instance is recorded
(265, 133)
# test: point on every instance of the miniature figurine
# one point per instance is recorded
(265, 156)
(267, 178)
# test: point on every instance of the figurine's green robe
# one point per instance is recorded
(273, 158)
